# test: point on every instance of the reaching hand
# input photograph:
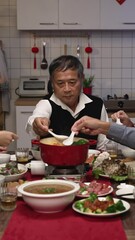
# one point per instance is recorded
(40, 126)
(124, 118)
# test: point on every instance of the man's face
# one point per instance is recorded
(67, 87)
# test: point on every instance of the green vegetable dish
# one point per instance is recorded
(94, 205)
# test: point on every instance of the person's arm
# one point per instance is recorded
(42, 113)
(119, 133)
(122, 134)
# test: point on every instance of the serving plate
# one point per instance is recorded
(124, 189)
(126, 205)
(116, 178)
(82, 195)
(15, 177)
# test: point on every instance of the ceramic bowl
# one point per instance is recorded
(15, 177)
(128, 152)
(49, 203)
(36, 154)
(4, 158)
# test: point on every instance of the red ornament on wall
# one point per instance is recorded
(120, 1)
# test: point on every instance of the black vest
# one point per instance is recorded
(61, 120)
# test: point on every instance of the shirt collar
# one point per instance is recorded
(83, 99)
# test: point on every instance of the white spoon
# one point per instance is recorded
(69, 140)
(118, 121)
(59, 137)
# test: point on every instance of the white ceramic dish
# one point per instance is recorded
(36, 154)
(126, 205)
(49, 203)
(122, 191)
(15, 177)
(125, 189)
(4, 158)
(99, 195)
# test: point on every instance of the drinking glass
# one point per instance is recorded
(8, 197)
(22, 155)
(131, 175)
(112, 149)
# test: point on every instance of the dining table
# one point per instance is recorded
(23, 223)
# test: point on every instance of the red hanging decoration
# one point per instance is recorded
(88, 50)
(120, 1)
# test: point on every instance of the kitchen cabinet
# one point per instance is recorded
(79, 14)
(116, 16)
(37, 14)
(22, 115)
(58, 14)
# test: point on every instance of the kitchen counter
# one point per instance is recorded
(27, 101)
(34, 101)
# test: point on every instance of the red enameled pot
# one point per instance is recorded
(63, 155)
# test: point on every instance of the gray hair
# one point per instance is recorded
(64, 63)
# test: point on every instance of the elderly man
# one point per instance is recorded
(67, 103)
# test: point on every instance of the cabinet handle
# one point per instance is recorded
(47, 23)
(26, 112)
(71, 23)
(129, 23)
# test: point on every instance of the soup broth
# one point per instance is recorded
(47, 188)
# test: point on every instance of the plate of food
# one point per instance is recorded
(101, 206)
(13, 172)
(86, 188)
(108, 167)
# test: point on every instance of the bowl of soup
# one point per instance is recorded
(53, 152)
(48, 196)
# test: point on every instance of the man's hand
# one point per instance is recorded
(40, 126)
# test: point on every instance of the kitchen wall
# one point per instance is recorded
(112, 59)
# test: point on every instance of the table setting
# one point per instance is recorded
(70, 222)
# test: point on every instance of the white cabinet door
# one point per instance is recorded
(22, 115)
(37, 14)
(58, 14)
(116, 16)
(78, 14)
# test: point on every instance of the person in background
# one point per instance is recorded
(6, 137)
(116, 132)
(124, 118)
(67, 103)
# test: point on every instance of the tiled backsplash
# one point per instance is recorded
(112, 58)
